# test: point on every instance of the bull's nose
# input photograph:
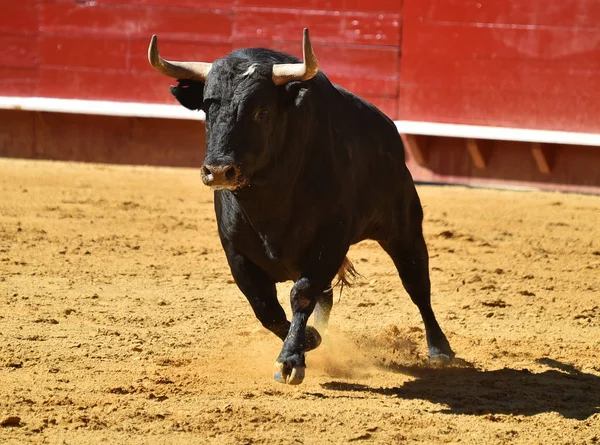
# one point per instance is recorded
(224, 176)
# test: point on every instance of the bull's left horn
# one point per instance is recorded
(177, 70)
(287, 72)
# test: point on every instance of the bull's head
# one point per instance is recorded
(245, 103)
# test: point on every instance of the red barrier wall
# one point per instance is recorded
(523, 63)
(97, 49)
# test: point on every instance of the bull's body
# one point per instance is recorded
(326, 171)
(342, 177)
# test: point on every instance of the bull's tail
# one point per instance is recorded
(347, 274)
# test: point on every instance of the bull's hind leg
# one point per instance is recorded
(322, 311)
(411, 258)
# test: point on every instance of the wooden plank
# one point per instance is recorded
(18, 81)
(84, 52)
(417, 147)
(17, 134)
(499, 74)
(119, 54)
(18, 17)
(325, 26)
(19, 51)
(192, 4)
(478, 151)
(567, 13)
(380, 6)
(104, 85)
(578, 46)
(110, 21)
(520, 109)
(543, 154)
(141, 141)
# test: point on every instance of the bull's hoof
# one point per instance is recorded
(287, 374)
(313, 339)
(439, 358)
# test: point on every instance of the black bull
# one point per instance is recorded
(302, 169)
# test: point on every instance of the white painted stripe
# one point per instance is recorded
(497, 133)
(135, 109)
(99, 107)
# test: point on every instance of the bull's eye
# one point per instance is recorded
(260, 114)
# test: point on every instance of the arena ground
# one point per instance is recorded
(120, 323)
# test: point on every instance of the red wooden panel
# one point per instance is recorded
(570, 13)
(468, 64)
(119, 54)
(194, 4)
(84, 52)
(198, 52)
(18, 81)
(18, 16)
(17, 134)
(105, 139)
(19, 51)
(104, 85)
(278, 24)
(393, 6)
(135, 21)
(108, 139)
(518, 75)
(571, 45)
(521, 109)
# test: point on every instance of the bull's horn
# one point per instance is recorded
(177, 70)
(287, 72)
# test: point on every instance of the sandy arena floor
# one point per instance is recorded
(120, 323)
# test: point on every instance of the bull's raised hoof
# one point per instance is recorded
(292, 375)
(313, 339)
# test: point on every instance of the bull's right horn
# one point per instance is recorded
(177, 70)
(288, 72)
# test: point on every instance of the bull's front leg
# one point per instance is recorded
(291, 365)
(261, 293)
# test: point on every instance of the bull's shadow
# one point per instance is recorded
(466, 390)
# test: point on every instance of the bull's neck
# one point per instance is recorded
(270, 198)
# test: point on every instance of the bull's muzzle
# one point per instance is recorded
(221, 176)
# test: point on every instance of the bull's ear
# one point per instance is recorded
(296, 93)
(189, 93)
